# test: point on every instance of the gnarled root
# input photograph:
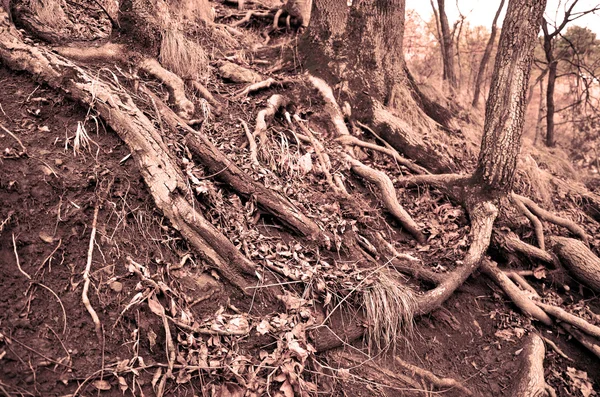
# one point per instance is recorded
(530, 380)
(174, 84)
(274, 103)
(388, 196)
(439, 383)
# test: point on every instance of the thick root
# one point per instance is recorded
(483, 214)
(579, 260)
(530, 380)
(388, 196)
(274, 103)
(535, 221)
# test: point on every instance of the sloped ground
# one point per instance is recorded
(48, 199)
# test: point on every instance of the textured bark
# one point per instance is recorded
(165, 181)
(530, 376)
(487, 53)
(505, 109)
(579, 260)
(539, 123)
(550, 108)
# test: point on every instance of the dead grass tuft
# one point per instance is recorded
(182, 56)
(389, 306)
(50, 12)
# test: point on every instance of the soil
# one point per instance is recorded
(48, 346)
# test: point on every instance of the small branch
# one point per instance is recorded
(86, 278)
(16, 138)
(557, 349)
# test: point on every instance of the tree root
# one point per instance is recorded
(518, 297)
(567, 317)
(274, 103)
(251, 143)
(513, 244)
(552, 218)
(588, 342)
(86, 279)
(205, 93)
(261, 85)
(164, 179)
(578, 259)
(530, 376)
(351, 140)
(388, 196)
(119, 53)
(174, 84)
(226, 171)
(439, 383)
(535, 221)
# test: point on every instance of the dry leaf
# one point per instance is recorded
(155, 306)
(287, 389)
(101, 385)
(580, 381)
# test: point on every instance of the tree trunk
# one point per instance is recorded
(550, 141)
(486, 56)
(539, 123)
(505, 108)
(358, 50)
(447, 54)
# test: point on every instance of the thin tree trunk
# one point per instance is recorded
(486, 56)
(539, 125)
(447, 54)
(552, 69)
(504, 115)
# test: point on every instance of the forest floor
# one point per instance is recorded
(48, 346)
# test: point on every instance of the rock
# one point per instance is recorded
(116, 286)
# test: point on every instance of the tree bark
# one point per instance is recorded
(579, 260)
(550, 108)
(530, 376)
(505, 108)
(486, 56)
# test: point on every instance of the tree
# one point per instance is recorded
(446, 40)
(552, 60)
(486, 56)
(356, 48)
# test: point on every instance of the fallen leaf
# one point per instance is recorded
(101, 385)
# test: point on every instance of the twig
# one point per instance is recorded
(86, 278)
(23, 150)
(61, 306)
(17, 258)
(434, 379)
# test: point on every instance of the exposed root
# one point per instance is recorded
(388, 196)
(578, 259)
(436, 381)
(249, 15)
(530, 381)
(174, 84)
(16, 138)
(512, 243)
(205, 93)
(251, 143)
(588, 342)
(261, 85)
(482, 214)
(274, 103)
(86, 279)
(567, 317)
(550, 217)
(322, 157)
(557, 349)
(352, 140)
(518, 297)
(535, 221)
(23, 272)
(521, 282)
(238, 74)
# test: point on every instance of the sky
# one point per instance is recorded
(481, 12)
